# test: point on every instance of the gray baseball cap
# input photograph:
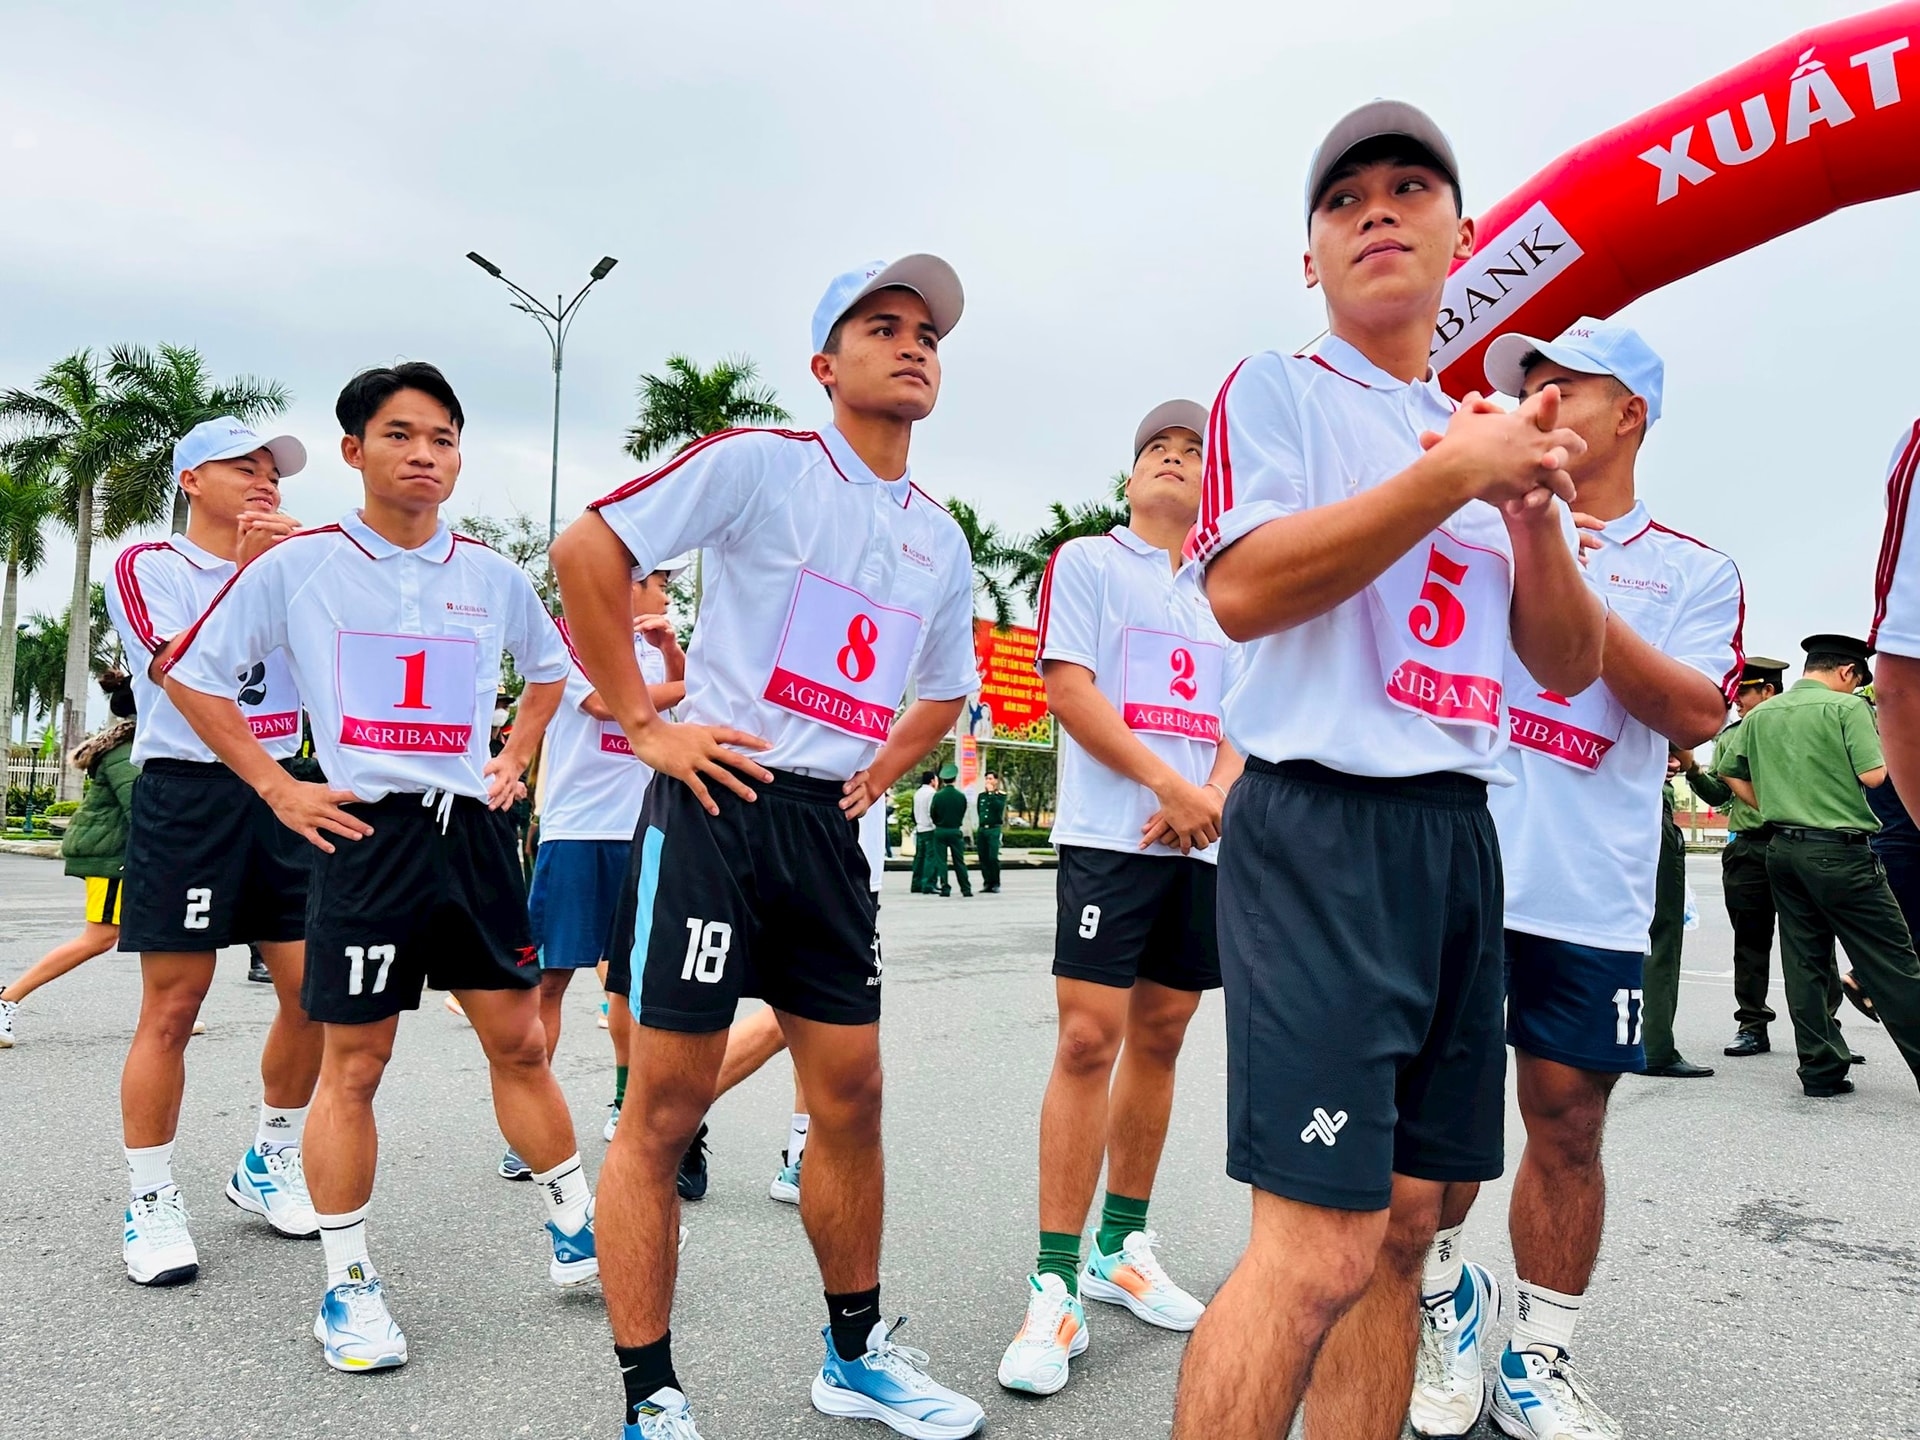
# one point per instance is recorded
(1186, 414)
(1376, 120)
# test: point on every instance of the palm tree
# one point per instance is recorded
(1027, 559)
(158, 396)
(63, 432)
(688, 404)
(992, 559)
(25, 508)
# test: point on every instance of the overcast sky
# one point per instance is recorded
(292, 189)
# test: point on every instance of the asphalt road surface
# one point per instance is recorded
(1761, 1274)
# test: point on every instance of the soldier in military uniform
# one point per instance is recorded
(1743, 867)
(990, 811)
(1800, 761)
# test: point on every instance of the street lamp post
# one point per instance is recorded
(556, 320)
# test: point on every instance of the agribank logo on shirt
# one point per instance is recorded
(477, 612)
(1635, 584)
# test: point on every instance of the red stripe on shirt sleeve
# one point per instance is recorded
(1899, 492)
(1216, 474)
(1046, 599)
(126, 578)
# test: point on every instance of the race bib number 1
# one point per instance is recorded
(843, 659)
(407, 694)
(1440, 621)
(1171, 685)
(1577, 731)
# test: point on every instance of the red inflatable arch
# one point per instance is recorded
(1829, 118)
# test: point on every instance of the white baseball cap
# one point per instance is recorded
(675, 567)
(927, 276)
(1173, 414)
(1586, 347)
(228, 439)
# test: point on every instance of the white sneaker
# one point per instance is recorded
(613, 1123)
(1054, 1331)
(664, 1415)
(1540, 1397)
(7, 1009)
(158, 1250)
(199, 1027)
(357, 1331)
(1133, 1278)
(1450, 1370)
(274, 1185)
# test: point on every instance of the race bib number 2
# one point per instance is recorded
(1440, 621)
(1171, 685)
(407, 694)
(843, 659)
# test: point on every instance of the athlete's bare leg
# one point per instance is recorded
(553, 990)
(341, 1146)
(527, 1101)
(751, 1042)
(619, 1021)
(1142, 1097)
(290, 1059)
(172, 985)
(1073, 1113)
(1559, 1200)
(844, 1198)
(95, 939)
(1364, 1377)
(1250, 1356)
(637, 1219)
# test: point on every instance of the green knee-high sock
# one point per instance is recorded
(619, 1086)
(1120, 1216)
(1060, 1255)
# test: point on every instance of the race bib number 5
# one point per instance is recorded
(843, 659)
(1440, 621)
(407, 694)
(1171, 685)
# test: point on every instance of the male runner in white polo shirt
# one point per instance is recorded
(1896, 623)
(394, 626)
(207, 863)
(593, 788)
(1580, 830)
(831, 580)
(1377, 550)
(1136, 670)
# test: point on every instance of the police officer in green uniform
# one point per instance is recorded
(1800, 761)
(990, 811)
(949, 812)
(1743, 867)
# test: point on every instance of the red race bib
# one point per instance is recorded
(843, 659)
(409, 694)
(1171, 685)
(1576, 731)
(1440, 622)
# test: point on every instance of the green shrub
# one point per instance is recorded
(62, 807)
(17, 799)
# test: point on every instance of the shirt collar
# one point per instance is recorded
(194, 555)
(1124, 534)
(854, 469)
(1630, 526)
(1344, 359)
(437, 549)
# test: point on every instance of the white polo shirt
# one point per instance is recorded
(1403, 678)
(1114, 604)
(1896, 579)
(158, 590)
(397, 652)
(1580, 830)
(595, 782)
(826, 590)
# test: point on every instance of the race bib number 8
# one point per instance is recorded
(1171, 685)
(843, 659)
(407, 694)
(1440, 622)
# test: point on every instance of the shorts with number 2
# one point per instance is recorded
(769, 899)
(432, 897)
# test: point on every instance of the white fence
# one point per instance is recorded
(44, 773)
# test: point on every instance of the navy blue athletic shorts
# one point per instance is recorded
(1575, 1004)
(1360, 953)
(576, 885)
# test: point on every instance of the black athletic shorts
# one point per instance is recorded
(1126, 917)
(770, 898)
(208, 864)
(415, 904)
(1360, 946)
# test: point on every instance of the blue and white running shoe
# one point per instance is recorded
(356, 1330)
(1538, 1396)
(1450, 1369)
(786, 1184)
(663, 1416)
(275, 1186)
(890, 1384)
(575, 1261)
(512, 1167)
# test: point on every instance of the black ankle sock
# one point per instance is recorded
(645, 1369)
(850, 1317)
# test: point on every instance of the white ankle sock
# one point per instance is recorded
(1442, 1273)
(344, 1239)
(1543, 1317)
(150, 1169)
(796, 1138)
(564, 1188)
(278, 1128)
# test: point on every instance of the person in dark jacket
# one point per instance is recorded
(93, 847)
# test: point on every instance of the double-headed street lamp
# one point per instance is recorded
(556, 321)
